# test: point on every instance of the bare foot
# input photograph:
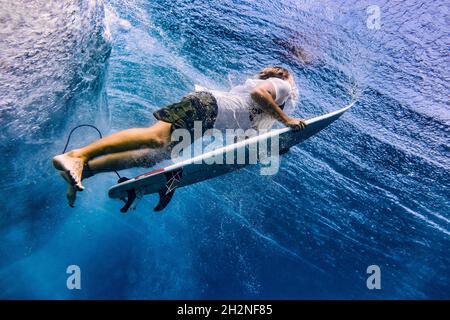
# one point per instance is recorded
(71, 195)
(71, 190)
(72, 167)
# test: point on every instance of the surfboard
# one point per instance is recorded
(205, 166)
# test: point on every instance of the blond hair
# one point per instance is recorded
(273, 72)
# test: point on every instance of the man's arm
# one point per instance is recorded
(264, 95)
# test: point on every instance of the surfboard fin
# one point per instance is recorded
(132, 197)
(166, 193)
(164, 199)
(129, 201)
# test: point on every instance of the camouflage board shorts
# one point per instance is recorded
(196, 106)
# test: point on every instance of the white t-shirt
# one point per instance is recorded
(236, 108)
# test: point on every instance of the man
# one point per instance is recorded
(256, 104)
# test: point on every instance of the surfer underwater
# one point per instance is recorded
(256, 104)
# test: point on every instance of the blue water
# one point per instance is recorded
(373, 188)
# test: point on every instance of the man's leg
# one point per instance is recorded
(125, 160)
(155, 137)
(72, 163)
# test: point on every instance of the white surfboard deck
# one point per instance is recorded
(196, 169)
